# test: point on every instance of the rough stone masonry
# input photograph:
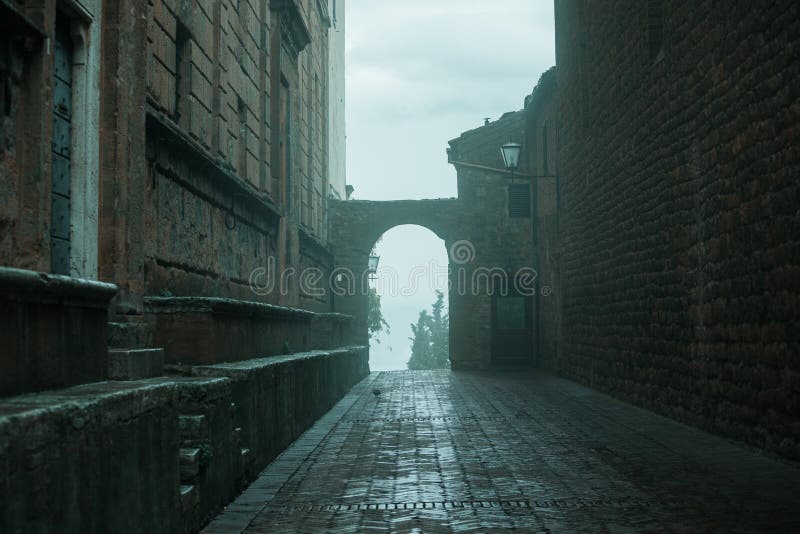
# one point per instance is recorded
(678, 163)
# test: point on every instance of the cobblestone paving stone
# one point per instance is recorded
(471, 452)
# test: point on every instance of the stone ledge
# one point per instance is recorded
(211, 330)
(279, 397)
(52, 331)
(108, 402)
(34, 286)
(245, 368)
(111, 444)
(117, 444)
(239, 308)
(339, 317)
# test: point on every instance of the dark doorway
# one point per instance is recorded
(512, 330)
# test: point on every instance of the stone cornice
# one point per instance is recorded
(293, 26)
(324, 14)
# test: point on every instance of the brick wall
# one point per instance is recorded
(678, 159)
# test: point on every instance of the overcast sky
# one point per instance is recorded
(418, 73)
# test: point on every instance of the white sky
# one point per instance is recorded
(418, 73)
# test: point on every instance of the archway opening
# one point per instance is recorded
(410, 290)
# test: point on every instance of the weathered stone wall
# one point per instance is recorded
(158, 455)
(678, 163)
(95, 458)
(540, 145)
(28, 138)
(498, 241)
(201, 330)
(218, 206)
(24, 212)
(278, 398)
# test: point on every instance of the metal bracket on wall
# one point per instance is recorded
(230, 215)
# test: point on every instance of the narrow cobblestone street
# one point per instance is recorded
(440, 451)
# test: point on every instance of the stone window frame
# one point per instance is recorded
(85, 30)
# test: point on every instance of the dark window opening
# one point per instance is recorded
(545, 170)
(585, 75)
(242, 112)
(182, 68)
(655, 29)
(519, 200)
(309, 200)
(284, 143)
(5, 76)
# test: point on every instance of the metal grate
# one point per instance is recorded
(437, 418)
(542, 504)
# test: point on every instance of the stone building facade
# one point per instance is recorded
(541, 148)
(502, 306)
(678, 162)
(177, 157)
(510, 221)
(337, 136)
(237, 163)
(498, 230)
(162, 163)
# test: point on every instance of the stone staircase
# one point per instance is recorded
(127, 360)
(195, 452)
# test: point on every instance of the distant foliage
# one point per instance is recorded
(375, 320)
(430, 344)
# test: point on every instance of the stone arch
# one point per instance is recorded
(355, 226)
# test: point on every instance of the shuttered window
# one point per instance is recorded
(519, 200)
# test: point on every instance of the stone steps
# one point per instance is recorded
(189, 464)
(189, 496)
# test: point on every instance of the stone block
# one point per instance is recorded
(197, 121)
(135, 364)
(206, 425)
(98, 457)
(277, 398)
(52, 330)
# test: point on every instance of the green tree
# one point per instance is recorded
(430, 344)
(375, 321)
(440, 333)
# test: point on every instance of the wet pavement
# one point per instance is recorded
(438, 451)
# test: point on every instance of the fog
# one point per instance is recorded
(418, 74)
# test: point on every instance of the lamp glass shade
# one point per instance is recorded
(510, 152)
(372, 266)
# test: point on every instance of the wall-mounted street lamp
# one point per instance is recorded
(372, 266)
(510, 152)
